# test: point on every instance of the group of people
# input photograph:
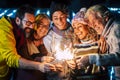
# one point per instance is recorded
(28, 44)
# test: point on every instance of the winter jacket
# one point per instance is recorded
(112, 57)
(8, 52)
(56, 39)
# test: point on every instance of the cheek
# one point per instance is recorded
(75, 31)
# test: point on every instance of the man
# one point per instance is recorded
(13, 33)
(108, 27)
(58, 37)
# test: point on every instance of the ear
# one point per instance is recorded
(17, 20)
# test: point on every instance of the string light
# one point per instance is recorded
(46, 11)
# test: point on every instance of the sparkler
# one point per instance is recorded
(61, 55)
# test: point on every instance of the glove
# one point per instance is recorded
(83, 62)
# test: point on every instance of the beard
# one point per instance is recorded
(28, 32)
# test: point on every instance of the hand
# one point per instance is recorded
(71, 64)
(47, 59)
(59, 67)
(46, 67)
(102, 44)
(82, 62)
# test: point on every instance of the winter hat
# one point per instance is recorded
(79, 16)
(55, 6)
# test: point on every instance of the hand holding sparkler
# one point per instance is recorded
(71, 63)
(46, 67)
(82, 61)
(47, 59)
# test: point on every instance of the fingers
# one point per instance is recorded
(47, 59)
(102, 45)
(71, 64)
(80, 65)
(82, 62)
(49, 67)
(59, 67)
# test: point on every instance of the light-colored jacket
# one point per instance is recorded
(53, 40)
(112, 57)
(8, 52)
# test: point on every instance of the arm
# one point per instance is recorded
(9, 56)
(113, 57)
(27, 64)
(47, 40)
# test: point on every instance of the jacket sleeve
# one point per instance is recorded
(8, 53)
(48, 43)
(113, 56)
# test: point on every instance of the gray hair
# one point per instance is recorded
(102, 11)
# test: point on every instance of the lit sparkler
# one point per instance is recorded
(65, 54)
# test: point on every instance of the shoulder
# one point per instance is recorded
(115, 30)
(5, 23)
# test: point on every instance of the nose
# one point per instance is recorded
(32, 26)
(60, 20)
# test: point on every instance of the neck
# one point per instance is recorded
(37, 38)
(38, 42)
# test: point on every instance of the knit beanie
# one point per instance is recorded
(79, 16)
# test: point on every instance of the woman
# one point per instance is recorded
(35, 44)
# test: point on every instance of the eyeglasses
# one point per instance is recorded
(43, 25)
(28, 23)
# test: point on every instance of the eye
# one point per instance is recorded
(55, 18)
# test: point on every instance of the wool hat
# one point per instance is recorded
(79, 16)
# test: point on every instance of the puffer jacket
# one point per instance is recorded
(8, 52)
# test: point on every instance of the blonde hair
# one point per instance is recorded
(38, 19)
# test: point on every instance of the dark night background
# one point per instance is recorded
(75, 5)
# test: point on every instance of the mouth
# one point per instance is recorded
(80, 33)
(28, 30)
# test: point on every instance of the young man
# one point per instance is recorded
(13, 33)
(108, 27)
(59, 34)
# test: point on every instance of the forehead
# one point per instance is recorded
(29, 17)
(58, 13)
(78, 24)
(45, 20)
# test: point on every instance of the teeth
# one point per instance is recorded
(79, 33)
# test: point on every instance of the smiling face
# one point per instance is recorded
(96, 22)
(59, 19)
(27, 23)
(43, 27)
(80, 30)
